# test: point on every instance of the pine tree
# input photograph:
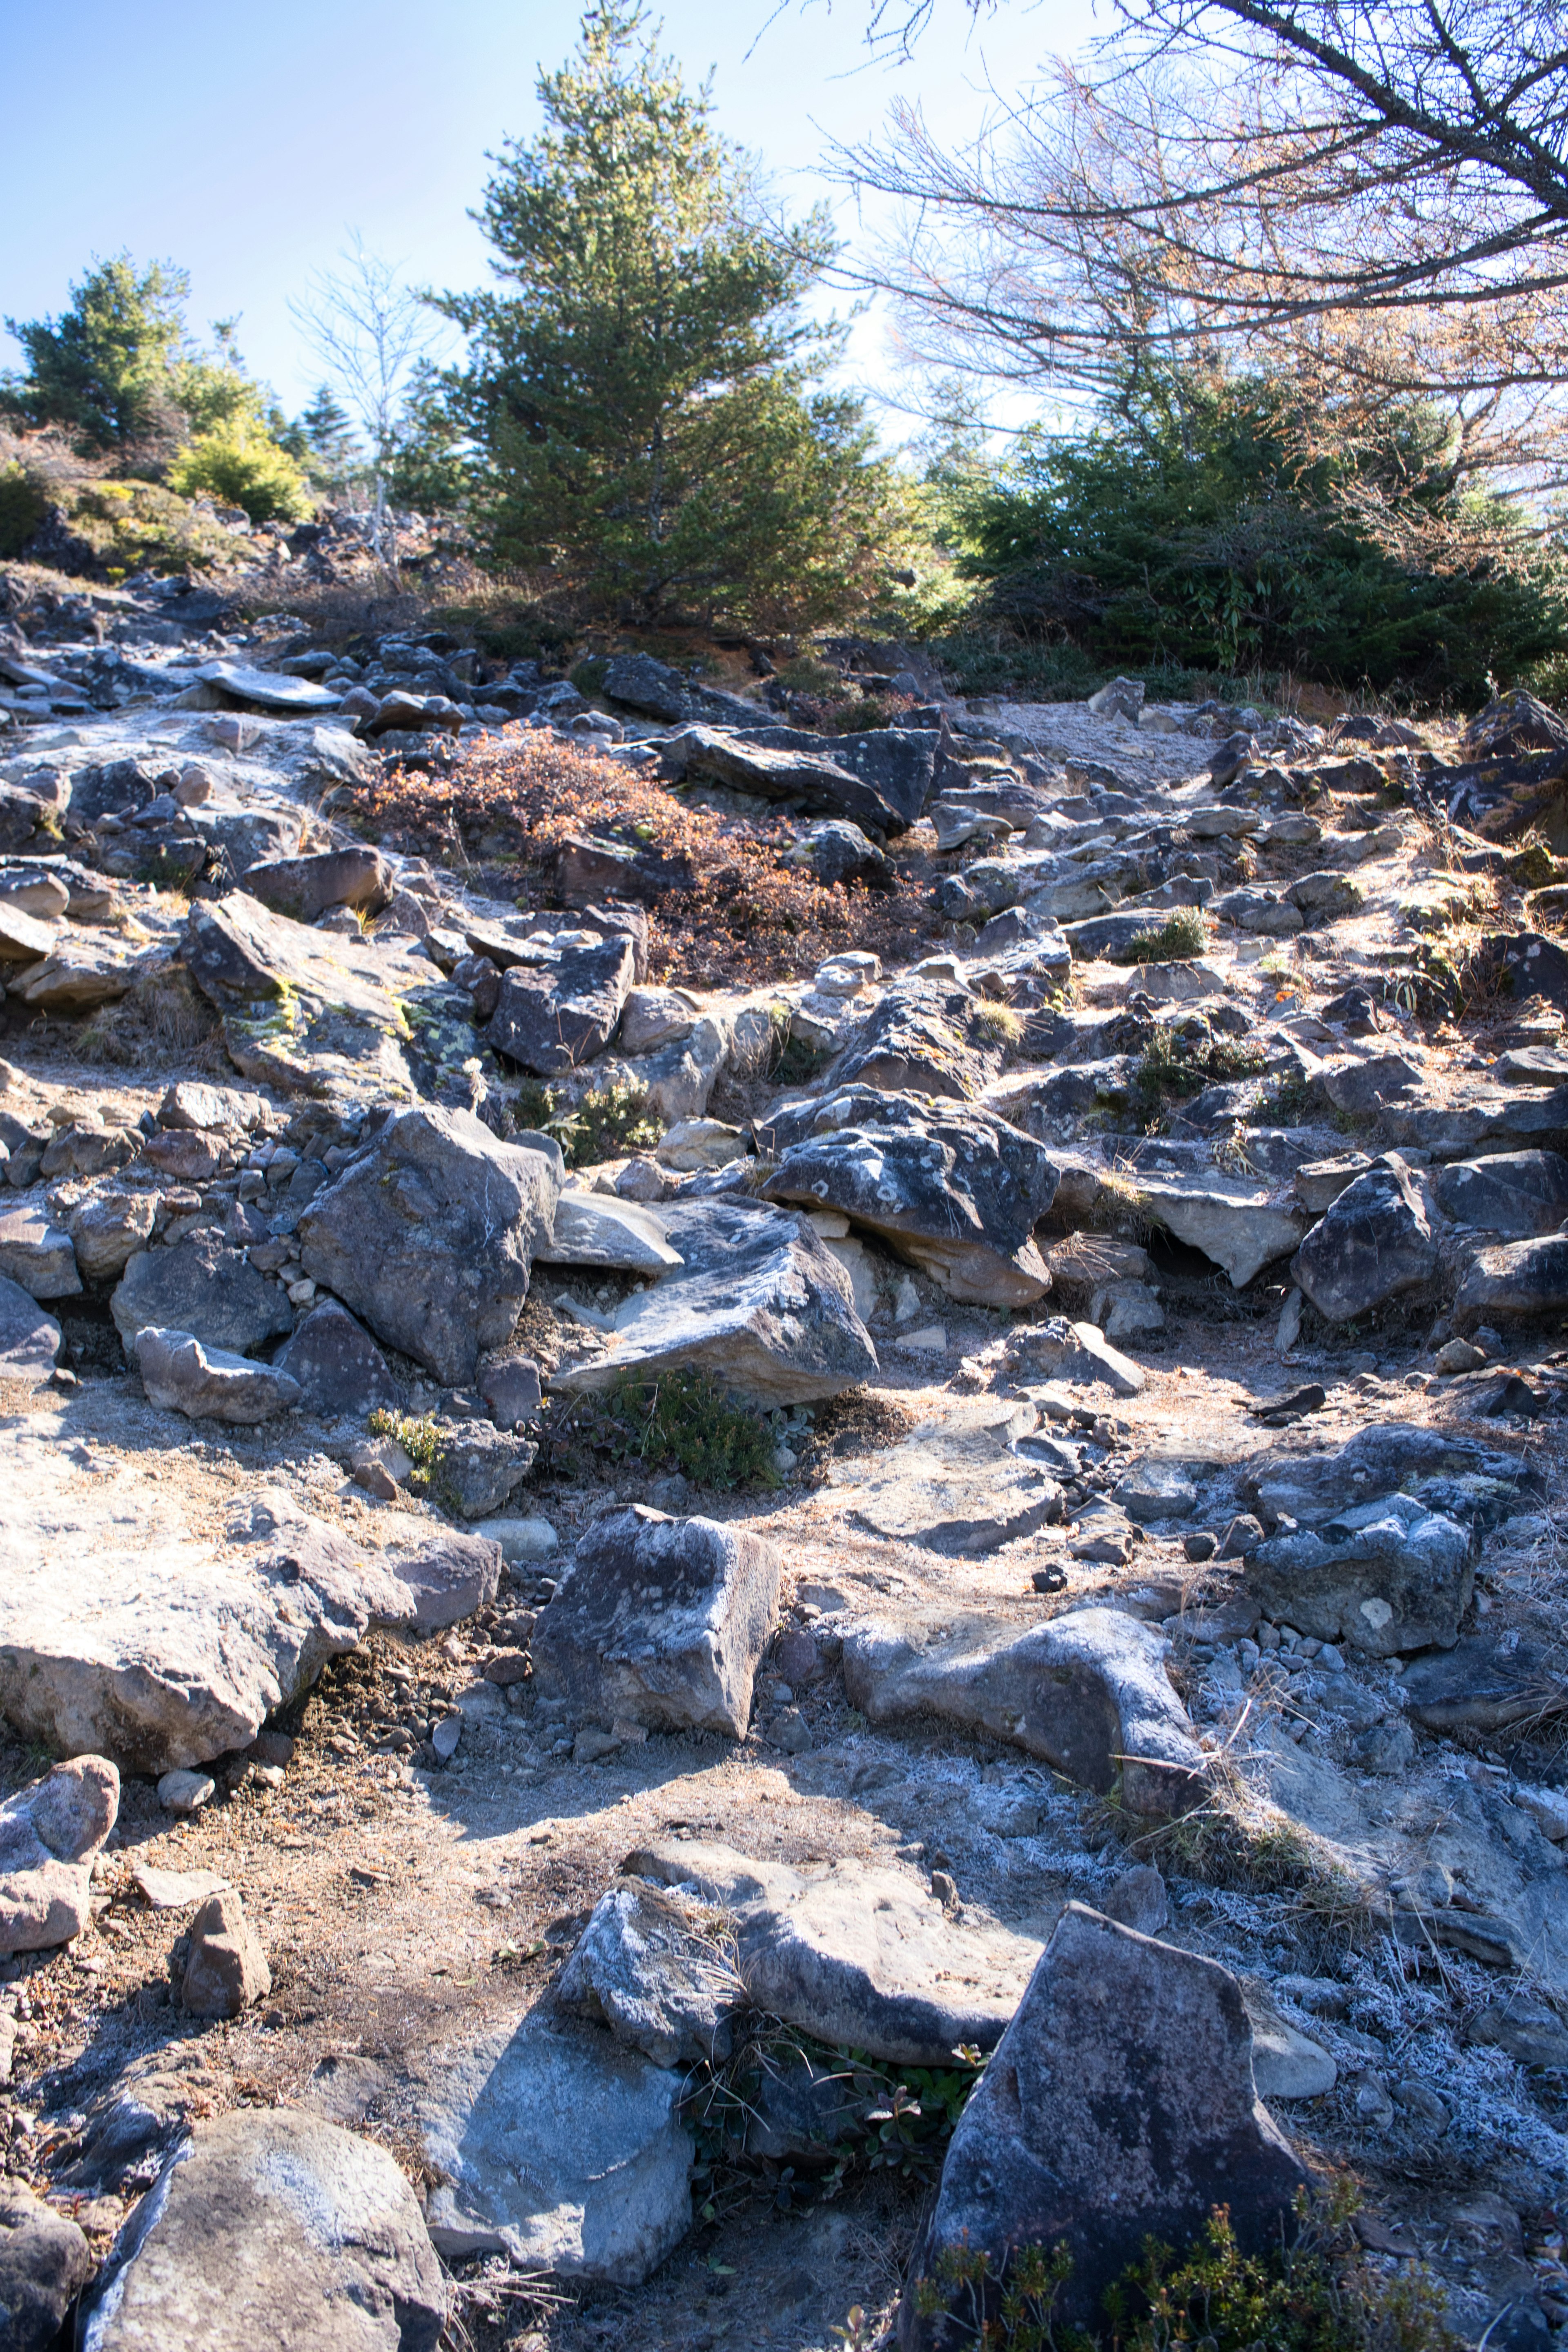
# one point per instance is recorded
(640, 385)
(326, 433)
(103, 366)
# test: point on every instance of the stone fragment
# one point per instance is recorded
(77, 973)
(185, 1794)
(478, 1467)
(555, 2144)
(1136, 1899)
(1474, 1484)
(44, 2262)
(560, 1008)
(1513, 1282)
(272, 2227)
(1519, 1194)
(644, 684)
(190, 1103)
(1319, 1182)
(784, 764)
(854, 1954)
(29, 1339)
(522, 1541)
(1155, 1490)
(226, 1971)
(337, 1365)
(266, 689)
(201, 1287)
(759, 1301)
(37, 1255)
(1482, 1685)
(598, 1229)
(303, 1009)
(49, 1832)
(835, 851)
(1242, 1227)
(1088, 1691)
(1375, 1242)
(211, 1383)
(1075, 1352)
(1384, 1577)
(108, 1229)
(660, 1621)
(510, 1390)
(926, 1037)
(1118, 2106)
(429, 1234)
(307, 887)
(1286, 2063)
(958, 1192)
(174, 1890)
(652, 1965)
(1371, 1085)
(694, 1144)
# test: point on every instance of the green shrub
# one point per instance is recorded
(239, 463)
(680, 1419)
(1184, 1058)
(1180, 935)
(23, 507)
(606, 1125)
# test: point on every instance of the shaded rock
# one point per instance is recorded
(559, 1008)
(478, 1467)
(1373, 1085)
(555, 2144)
(660, 1621)
(182, 1376)
(1385, 1576)
(108, 1229)
(1077, 1352)
(1137, 1898)
(337, 1365)
(36, 1254)
(1386, 1749)
(1119, 2105)
(49, 1832)
(928, 1037)
(836, 851)
(701, 1143)
(1087, 1692)
(306, 888)
(429, 1234)
(1375, 1242)
(29, 1339)
(125, 1631)
(1155, 1490)
(1241, 1227)
(644, 684)
(1485, 1683)
(77, 973)
(1319, 1182)
(1519, 1194)
(759, 1301)
(652, 1966)
(277, 2228)
(1528, 2031)
(44, 2262)
(856, 1954)
(1514, 1281)
(201, 1287)
(226, 1971)
(511, 1390)
(839, 774)
(598, 1229)
(1477, 1484)
(957, 1193)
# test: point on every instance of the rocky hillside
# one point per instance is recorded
(779, 1506)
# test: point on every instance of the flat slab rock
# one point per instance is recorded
(1119, 2105)
(272, 2228)
(954, 1484)
(1477, 1484)
(125, 1631)
(558, 2145)
(1242, 1227)
(856, 1955)
(759, 1300)
(1087, 1692)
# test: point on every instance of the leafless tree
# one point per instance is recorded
(1374, 197)
(370, 332)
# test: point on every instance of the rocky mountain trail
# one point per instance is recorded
(705, 1525)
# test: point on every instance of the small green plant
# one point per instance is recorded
(999, 1024)
(675, 1420)
(1182, 1058)
(1181, 934)
(23, 507)
(606, 1125)
(420, 1440)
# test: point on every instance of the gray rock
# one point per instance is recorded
(959, 1484)
(125, 1630)
(272, 2227)
(36, 1254)
(1286, 2063)
(429, 1235)
(182, 1376)
(512, 1391)
(555, 2144)
(1266, 914)
(307, 887)
(337, 1365)
(1387, 1750)
(1153, 1490)
(1363, 1086)
(191, 1104)
(265, 688)
(1076, 1352)
(598, 1229)
(44, 2262)
(479, 1466)
(1481, 1686)
(1087, 1692)
(560, 1008)
(200, 1287)
(1319, 1182)
(1118, 2106)
(1385, 1577)
(522, 1541)
(836, 851)
(1528, 2031)
(652, 1966)
(644, 684)
(1477, 1484)
(1375, 1242)
(108, 1229)
(956, 1192)
(926, 1037)
(1515, 1281)
(1519, 1194)
(29, 1339)
(783, 764)
(226, 1971)
(1137, 1898)
(853, 1953)
(1242, 1227)
(660, 1621)
(760, 1301)
(49, 1832)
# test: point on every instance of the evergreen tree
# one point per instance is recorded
(102, 367)
(640, 385)
(326, 443)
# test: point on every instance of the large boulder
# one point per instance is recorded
(781, 764)
(1241, 1226)
(429, 1234)
(1519, 1194)
(1087, 1692)
(759, 1301)
(1516, 1281)
(559, 1003)
(956, 1192)
(307, 887)
(209, 1384)
(49, 1832)
(1384, 1577)
(553, 2143)
(1375, 1242)
(202, 1288)
(1118, 2106)
(272, 2227)
(44, 2262)
(303, 1009)
(660, 1621)
(930, 1037)
(127, 1631)
(854, 1953)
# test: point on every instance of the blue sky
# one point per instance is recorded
(245, 144)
